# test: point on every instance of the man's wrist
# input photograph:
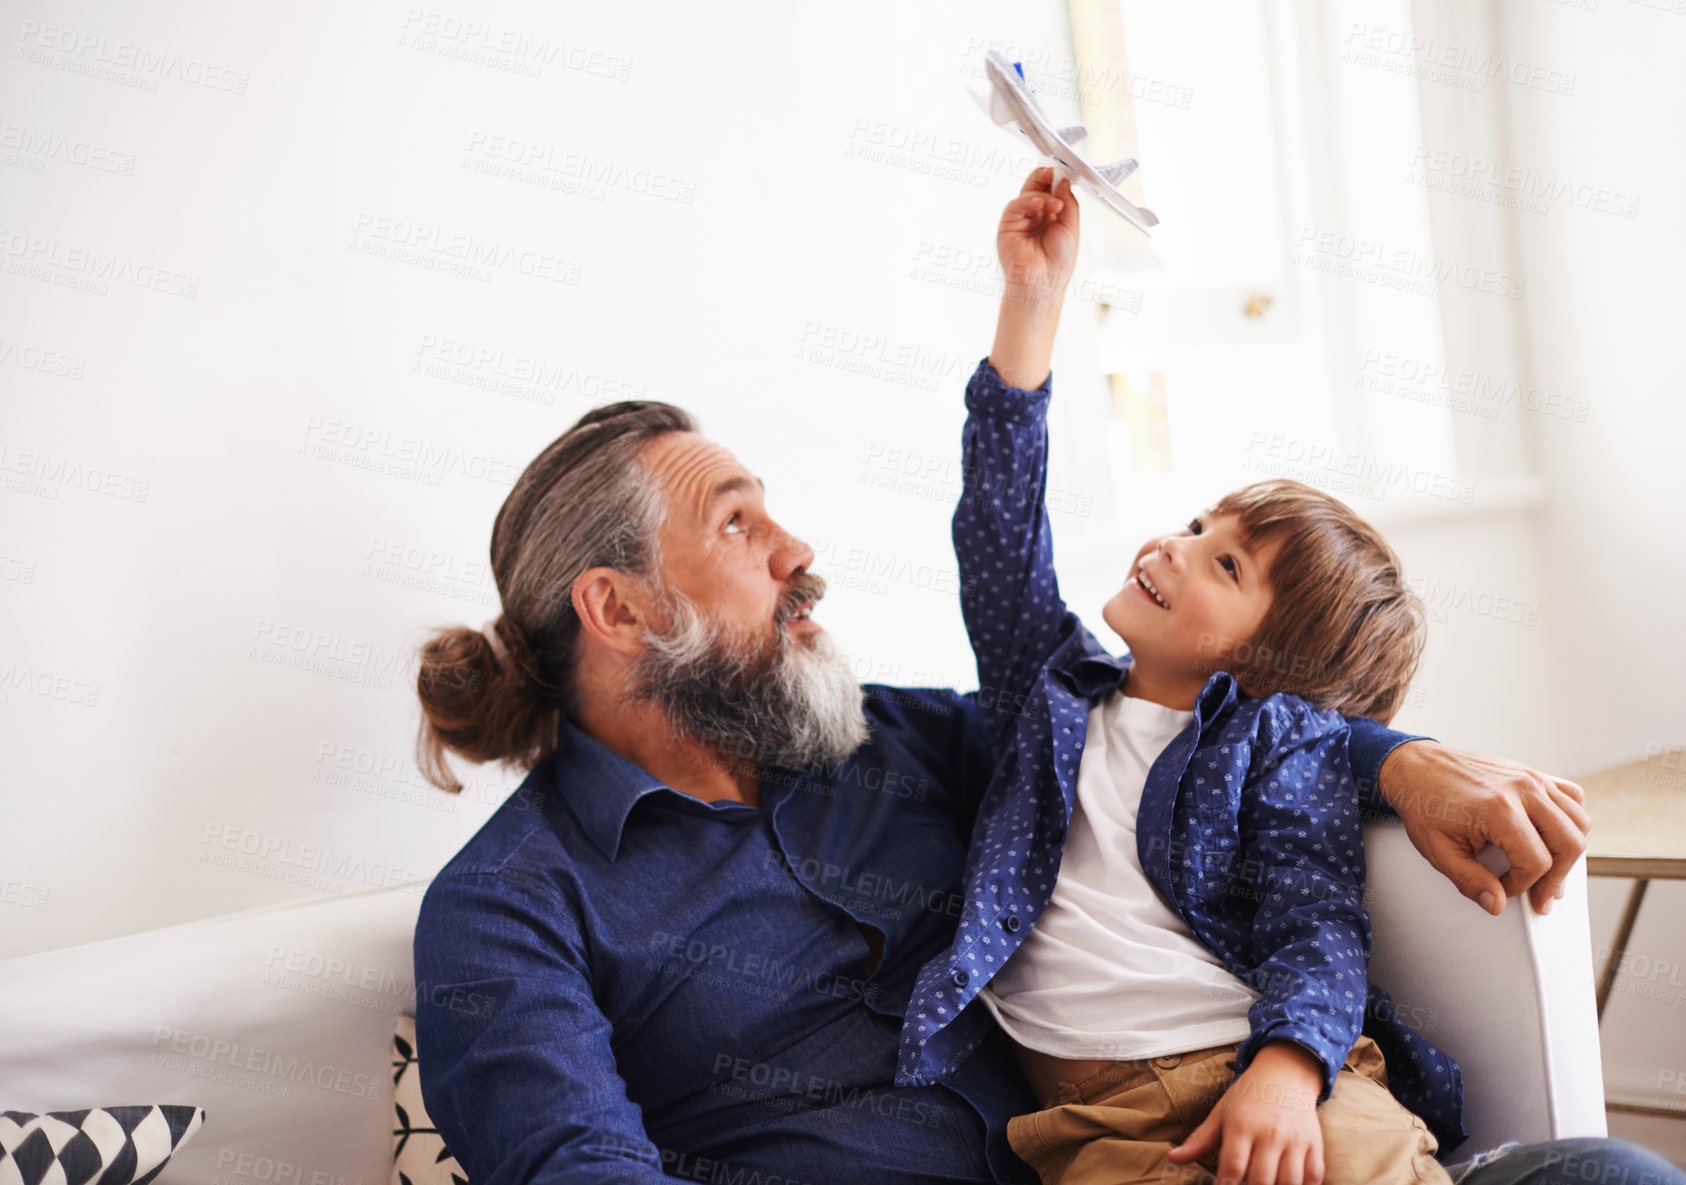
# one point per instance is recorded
(1369, 744)
(1396, 760)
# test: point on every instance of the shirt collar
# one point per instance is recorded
(1092, 675)
(599, 785)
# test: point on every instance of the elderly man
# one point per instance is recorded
(687, 945)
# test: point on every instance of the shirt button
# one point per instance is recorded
(960, 978)
(1011, 922)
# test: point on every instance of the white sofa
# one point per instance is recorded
(278, 1021)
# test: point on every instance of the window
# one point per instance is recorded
(1285, 317)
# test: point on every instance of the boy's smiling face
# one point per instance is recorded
(1191, 599)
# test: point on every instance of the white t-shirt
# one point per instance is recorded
(1109, 970)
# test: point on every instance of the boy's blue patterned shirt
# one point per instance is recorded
(1249, 825)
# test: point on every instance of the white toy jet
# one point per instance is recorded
(1010, 103)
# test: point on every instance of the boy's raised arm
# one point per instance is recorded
(1037, 243)
(1009, 596)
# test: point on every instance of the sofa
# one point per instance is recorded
(279, 1021)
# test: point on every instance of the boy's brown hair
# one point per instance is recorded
(1343, 632)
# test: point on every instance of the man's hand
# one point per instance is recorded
(1037, 243)
(1266, 1122)
(1454, 804)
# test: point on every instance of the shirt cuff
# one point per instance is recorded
(988, 395)
(1368, 745)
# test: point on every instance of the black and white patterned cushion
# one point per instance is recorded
(419, 1155)
(100, 1146)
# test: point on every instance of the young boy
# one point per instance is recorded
(1193, 989)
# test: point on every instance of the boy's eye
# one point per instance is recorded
(1194, 526)
(1229, 566)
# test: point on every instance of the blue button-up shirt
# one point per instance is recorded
(1249, 825)
(618, 981)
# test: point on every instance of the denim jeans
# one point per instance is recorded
(1567, 1162)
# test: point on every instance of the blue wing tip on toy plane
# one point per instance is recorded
(1011, 103)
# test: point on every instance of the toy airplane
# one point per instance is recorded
(1011, 104)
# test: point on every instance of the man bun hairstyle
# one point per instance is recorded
(585, 502)
(1344, 632)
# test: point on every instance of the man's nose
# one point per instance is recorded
(790, 554)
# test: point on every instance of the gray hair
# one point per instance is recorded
(585, 502)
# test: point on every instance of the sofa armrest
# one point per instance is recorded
(1509, 998)
(278, 1021)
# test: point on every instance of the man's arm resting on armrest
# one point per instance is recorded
(516, 1068)
(1454, 804)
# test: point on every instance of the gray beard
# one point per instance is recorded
(786, 702)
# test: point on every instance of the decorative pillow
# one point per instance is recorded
(419, 1155)
(110, 1145)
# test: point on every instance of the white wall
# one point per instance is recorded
(142, 717)
(1603, 321)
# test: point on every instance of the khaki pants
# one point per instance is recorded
(1116, 1126)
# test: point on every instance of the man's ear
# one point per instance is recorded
(611, 606)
